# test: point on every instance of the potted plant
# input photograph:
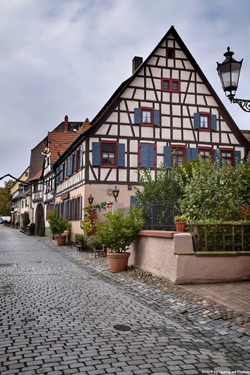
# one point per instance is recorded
(80, 241)
(58, 225)
(118, 232)
(180, 223)
(94, 244)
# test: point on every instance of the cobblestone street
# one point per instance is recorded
(62, 314)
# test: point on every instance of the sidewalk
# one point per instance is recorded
(227, 301)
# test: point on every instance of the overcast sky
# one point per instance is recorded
(63, 57)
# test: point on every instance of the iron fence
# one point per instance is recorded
(160, 216)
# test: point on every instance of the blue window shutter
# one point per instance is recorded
(65, 210)
(137, 115)
(121, 155)
(57, 175)
(151, 156)
(213, 122)
(70, 209)
(69, 165)
(66, 205)
(167, 156)
(80, 208)
(96, 153)
(81, 156)
(133, 201)
(61, 172)
(237, 157)
(157, 117)
(192, 154)
(144, 156)
(196, 120)
(74, 210)
(75, 160)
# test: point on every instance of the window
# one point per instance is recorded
(147, 156)
(177, 156)
(171, 85)
(206, 154)
(70, 209)
(205, 121)
(108, 154)
(147, 116)
(227, 157)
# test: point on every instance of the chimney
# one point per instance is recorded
(66, 124)
(136, 62)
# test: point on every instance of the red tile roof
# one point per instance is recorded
(58, 143)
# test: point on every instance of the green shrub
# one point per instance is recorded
(41, 230)
(118, 232)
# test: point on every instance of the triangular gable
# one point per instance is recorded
(116, 97)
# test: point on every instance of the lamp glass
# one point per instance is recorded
(229, 73)
(90, 199)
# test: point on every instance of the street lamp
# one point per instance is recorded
(115, 192)
(229, 73)
(90, 199)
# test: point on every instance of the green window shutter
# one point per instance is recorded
(167, 156)
(214, 122)
(96, 153)
(137, 115)
(196, 120)
(121, 155)
(192, 154)
(157, 117)
(237, 157)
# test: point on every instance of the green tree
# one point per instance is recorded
(211, 192)
(5, 198)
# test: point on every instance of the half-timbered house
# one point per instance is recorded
(42, 157)
(166, 112)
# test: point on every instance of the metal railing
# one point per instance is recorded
(221, 237)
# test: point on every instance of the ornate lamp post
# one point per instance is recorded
(90, 199)
(229, 73)
(115, 192)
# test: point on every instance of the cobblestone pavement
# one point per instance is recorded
(64, 314)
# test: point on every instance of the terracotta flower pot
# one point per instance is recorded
(118, 261)
(61, 240)
(180, 226)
